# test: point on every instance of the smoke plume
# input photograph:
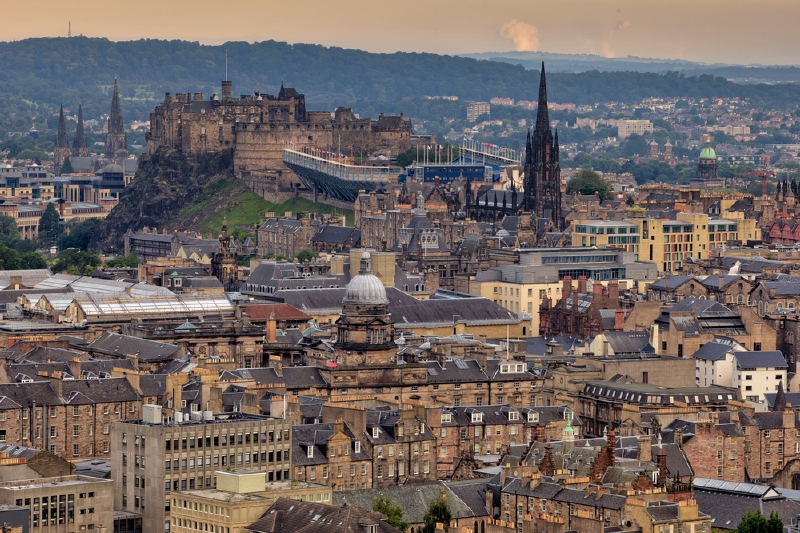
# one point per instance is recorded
(524, 36)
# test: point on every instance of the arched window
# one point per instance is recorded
(739, 299)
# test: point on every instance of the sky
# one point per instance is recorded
(724, 31)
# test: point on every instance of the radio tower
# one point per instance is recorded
(69, 29)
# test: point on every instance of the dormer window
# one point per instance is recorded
(533, 417)
(310, 452)
(477, 417)
(357, 447)
(513, 415)
(447, 418)
(375, 433)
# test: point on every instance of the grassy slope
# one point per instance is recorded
(230, 198)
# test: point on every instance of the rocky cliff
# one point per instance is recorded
(165, 184)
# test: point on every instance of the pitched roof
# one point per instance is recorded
(767, 358)
(415, 498)
(292, 516)
(262, 312)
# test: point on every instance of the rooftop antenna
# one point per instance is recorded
(226, 64)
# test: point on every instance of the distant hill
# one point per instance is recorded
(39, 74)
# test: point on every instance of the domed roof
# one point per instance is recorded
(707, 152)
(112, 169)
(365, 288)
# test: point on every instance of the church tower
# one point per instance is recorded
(61, 147)
(116, 147)
(79, 146)
(542, 169)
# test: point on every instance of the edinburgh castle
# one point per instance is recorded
(257, 127)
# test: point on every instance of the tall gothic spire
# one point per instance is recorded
(79, 146)
(116, 147)
(115, 124)
(542, 118)
(61, 140)
(61, 147)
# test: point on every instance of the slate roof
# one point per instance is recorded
(792, 398)
(727, 502)
(629, 342)
(123, 345)
(317, 435)
(88, 391)
(153, 384)
(413, 498)
(337, 235)
(454, 371)
(712, 351)
(767, 358)
(292, 516)
(303, 377)
(261, 376)
(670, 283)
(405, 309)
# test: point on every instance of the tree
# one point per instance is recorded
(404, 159)
(66, 168)
(49, 226)
(304, 254)
(589, 182)
(629, 200)
(76, 262)
(394, 513)
(31, 261)
(78, 235)
(755, 522)
(124, 261)
(438, 512)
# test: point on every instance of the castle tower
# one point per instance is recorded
(542, 169)
(116, 147)
(79, 146)
(61, 147)
(365, 330)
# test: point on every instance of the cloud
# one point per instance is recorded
(622, 24)
(524, 36)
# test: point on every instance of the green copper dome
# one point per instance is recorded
(708, 152)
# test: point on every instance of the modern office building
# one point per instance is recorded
(157, 456)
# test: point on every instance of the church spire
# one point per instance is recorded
(61, 147)
(115, 124)
(542, 118)
(79, 146)
(116, 146)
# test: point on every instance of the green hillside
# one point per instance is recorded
(230, 199)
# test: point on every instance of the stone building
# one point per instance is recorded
(714, 444)
(731, 289)
(285, 235)
(69, 417)
(258, 126)
(331, 454)
(582, 313)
